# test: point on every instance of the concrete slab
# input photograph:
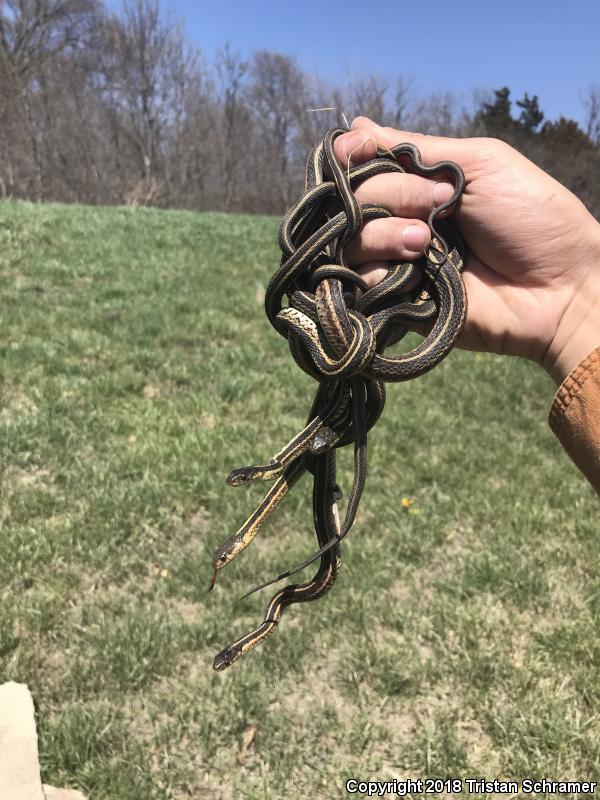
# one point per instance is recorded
(19, 766)
(62, 794)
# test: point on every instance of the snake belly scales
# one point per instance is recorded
(337, 330)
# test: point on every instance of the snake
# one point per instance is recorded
(326, 527)
(328, 414)
(337, 329)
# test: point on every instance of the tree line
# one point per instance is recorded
(105, 107)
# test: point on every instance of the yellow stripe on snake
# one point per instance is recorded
(337, 329)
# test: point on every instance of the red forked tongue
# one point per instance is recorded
(213, 580)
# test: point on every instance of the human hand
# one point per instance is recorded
(533, 270)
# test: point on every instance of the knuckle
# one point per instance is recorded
(414, 195)
(489, 148)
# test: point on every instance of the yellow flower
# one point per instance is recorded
(408, 504)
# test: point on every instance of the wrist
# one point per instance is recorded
(578, 332)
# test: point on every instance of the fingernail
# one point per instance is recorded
(413, 238)
(442, 192)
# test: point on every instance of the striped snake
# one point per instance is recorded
(337, 331)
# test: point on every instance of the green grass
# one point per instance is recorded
(137, 369)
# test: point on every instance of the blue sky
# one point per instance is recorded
(550, 48)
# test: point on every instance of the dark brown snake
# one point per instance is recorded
(337, 329)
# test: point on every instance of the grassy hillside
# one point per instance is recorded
(137, 369)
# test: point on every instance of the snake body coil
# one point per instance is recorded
(337, 330)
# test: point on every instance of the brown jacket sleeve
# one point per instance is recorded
(575, 416)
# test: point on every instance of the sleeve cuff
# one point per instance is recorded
(575, 416)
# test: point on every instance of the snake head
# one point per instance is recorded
(226, 658)
(240, 476)
(222, 557)
(262, 472)
(323, 440)
(226, 552)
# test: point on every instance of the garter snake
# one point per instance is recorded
(337, 330)
(325, 520)
(287, 466)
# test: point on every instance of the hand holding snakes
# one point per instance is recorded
(337, 330)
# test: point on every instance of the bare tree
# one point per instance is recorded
(591, 105)
(436, 114)
(34, 34)
(322, 109)
(146, 70)
(401, 102)
(231, 71)
(368, 98)
(278, 97)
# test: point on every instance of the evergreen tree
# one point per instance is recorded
(531, 115)
(495, 118)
